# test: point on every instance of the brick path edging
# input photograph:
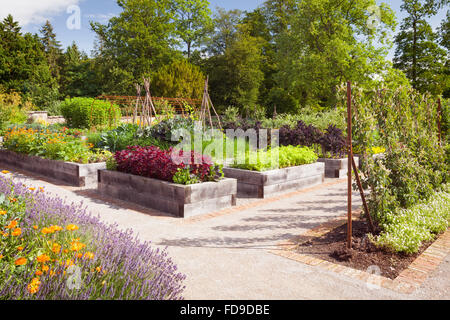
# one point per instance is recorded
(407, 282)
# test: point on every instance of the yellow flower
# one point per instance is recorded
(77, 246)
(98, 269)
(45, 268)
(17, 232)
(1, 256)
(33, 287)
(41, 189)
(43, 258)
(2, 212)
(32, 189)
(89, 255)
(72, 227)
(21, 262)
(5, 172)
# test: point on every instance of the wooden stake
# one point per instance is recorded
(350, 157)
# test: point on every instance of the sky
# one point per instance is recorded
(32, 14)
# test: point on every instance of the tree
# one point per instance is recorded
(78, 76)
(224, 31)
(23, 65)
(140, 40)
(236, 76)
(279, 13)
(180, 79)
(52, 48)
(418, 53)
(193, 19)
(445, 42)
(329, 42)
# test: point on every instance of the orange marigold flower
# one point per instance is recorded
(46, 230)
(33, 287)
(1, 256)
(32, 189)
(12, 199)
(45, 268)
(20, 248)
(77, 246)
(43, 258)
(72, 227)
(21, 262)
(98, 269)
(5, 172)
(17, 232)
(38, 273)
(56, 248)
(12, 224)
(3, 212)
(41, 189)
(55, 228)
(35, 227)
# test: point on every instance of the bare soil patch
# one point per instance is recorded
(332, 247)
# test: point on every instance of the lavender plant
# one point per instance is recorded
(117, 265)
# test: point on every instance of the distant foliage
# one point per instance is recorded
(89, 112)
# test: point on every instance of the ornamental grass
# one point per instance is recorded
(51, 250)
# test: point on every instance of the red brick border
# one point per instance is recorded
(407, 282)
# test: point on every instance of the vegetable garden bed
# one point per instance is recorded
(180, 200)
(266, 183)
(75, 174)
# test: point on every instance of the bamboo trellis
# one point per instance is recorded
(207, 105)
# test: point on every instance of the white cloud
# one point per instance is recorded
(34, 11)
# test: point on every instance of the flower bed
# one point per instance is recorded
(50, 250)
(75, 174)
(262, 179)
(336, 168)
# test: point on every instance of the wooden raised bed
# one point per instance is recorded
(263, 184)
(75, 174)
(179, 200)
(337, 168)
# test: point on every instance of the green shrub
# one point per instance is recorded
(288, 156)
(89, 112)
(11, 111)
(404, 230)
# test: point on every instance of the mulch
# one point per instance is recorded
(332, 247)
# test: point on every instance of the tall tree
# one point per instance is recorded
(137, 42)
(23, 64)
(193, 20)
(52, 48)
(236, 75)
(444, 31)
(329, 42)
(224, 31)
(418, 53)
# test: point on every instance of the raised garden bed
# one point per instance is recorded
(180, 200)
(75, 174)
(263, 184)
(336, 168)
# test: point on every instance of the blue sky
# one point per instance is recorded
(33, 13)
